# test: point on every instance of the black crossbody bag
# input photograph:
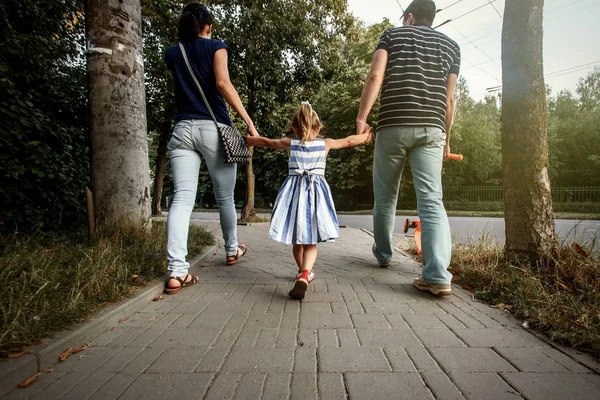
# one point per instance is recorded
(234, 145)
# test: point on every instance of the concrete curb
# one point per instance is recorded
(40, 358)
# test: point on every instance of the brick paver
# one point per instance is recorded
(362, 332)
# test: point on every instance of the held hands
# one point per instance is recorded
(251, 130)
(368, 134)
(251, 139)
(362, 127)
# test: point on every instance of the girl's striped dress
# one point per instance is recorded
(304, 212)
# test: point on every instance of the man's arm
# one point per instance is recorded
(371, 89)
(450, 86)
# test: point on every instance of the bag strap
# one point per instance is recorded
(187, 62)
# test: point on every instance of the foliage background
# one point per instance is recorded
(282, 53)
(44, 161)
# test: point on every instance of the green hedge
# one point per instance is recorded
(499, 206)
(44, 162)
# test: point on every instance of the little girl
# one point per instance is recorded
(304, 213)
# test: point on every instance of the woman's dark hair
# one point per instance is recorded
(194, 17)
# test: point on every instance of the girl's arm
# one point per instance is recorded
(261, 141)
(350, 141)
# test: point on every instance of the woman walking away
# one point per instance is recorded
(195, 138)
(304, 213)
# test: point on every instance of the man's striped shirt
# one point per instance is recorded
(414, 89)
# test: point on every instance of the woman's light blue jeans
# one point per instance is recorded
(423, 147)
(192, 141)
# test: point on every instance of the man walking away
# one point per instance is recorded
(419, 68)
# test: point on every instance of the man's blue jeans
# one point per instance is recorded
(193, 140)
(423, 148)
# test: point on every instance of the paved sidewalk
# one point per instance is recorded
(362, 332)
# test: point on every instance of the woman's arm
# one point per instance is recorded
(350, 141)
(261, 141)
(228, 91)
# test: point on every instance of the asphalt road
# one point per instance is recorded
(466, 228)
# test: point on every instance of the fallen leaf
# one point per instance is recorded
(65, 354)
(579, 250)
(15, 355)
(467, 287)
(30, 380)
(151, 319)
(579, 324)
(158, 298)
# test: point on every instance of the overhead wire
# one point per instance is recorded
(447, 7)
(465, 14)
(495, 9)
(481, 51)
(555, 74)
(490, 59)
(400, 5)
(574, 11)
(546, 11)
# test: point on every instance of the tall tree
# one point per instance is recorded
(277, 48)
(120, 171)
(530, 230)
(159, 19)
(337, 103)
(573, 129)
(475, 135)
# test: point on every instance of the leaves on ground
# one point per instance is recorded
(29, 381)
(65, 354)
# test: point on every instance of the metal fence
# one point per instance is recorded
(473, 193)
(571, 194)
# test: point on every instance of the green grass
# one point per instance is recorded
(559, 296)
(50, 280)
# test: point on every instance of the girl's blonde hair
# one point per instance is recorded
(305, 121)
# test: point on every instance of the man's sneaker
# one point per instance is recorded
(311, 275)
(381, 264)
(300, 286)
(436, 289)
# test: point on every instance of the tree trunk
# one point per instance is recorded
(159, 175)
(529, 219)
(248, 210)
(120, 170)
